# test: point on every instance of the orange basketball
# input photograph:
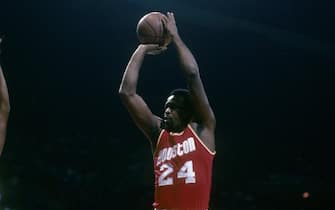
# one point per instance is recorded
(150, 29)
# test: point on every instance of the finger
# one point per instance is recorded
(164, 20)
(156, 52)
(163, 48)
(171, 17)
(151, 47)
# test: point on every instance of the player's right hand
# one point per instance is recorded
(153, 49)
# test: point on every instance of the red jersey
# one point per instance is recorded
(183, 171)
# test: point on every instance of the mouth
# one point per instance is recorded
(166, 119)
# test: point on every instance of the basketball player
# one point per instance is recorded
(183, 140)
(4, 107)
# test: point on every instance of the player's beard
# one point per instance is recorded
(166, 124)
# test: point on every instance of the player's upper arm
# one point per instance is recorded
(204, 112)
(3, 128)
(141, 114)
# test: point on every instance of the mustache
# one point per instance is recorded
(163, 123)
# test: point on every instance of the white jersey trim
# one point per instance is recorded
(201, 142)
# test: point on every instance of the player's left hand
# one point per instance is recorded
(154, 49)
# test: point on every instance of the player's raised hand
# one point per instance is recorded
(171, 25)
(153, 49)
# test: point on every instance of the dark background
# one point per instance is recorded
(268, 69)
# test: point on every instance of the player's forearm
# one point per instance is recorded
(130, 77)
(188, 63)
(4, 109)
(4, 97)
(3, 127)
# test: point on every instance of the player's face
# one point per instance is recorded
(172, 119)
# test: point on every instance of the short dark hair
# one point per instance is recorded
(187, 110)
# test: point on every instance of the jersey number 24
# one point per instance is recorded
(185, 172)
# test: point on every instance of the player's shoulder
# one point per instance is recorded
(204, 134)
(156, 129)
(196, 127)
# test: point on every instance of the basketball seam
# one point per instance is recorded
(153, 30)
(161, 31)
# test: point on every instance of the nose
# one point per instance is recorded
(167, 110)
